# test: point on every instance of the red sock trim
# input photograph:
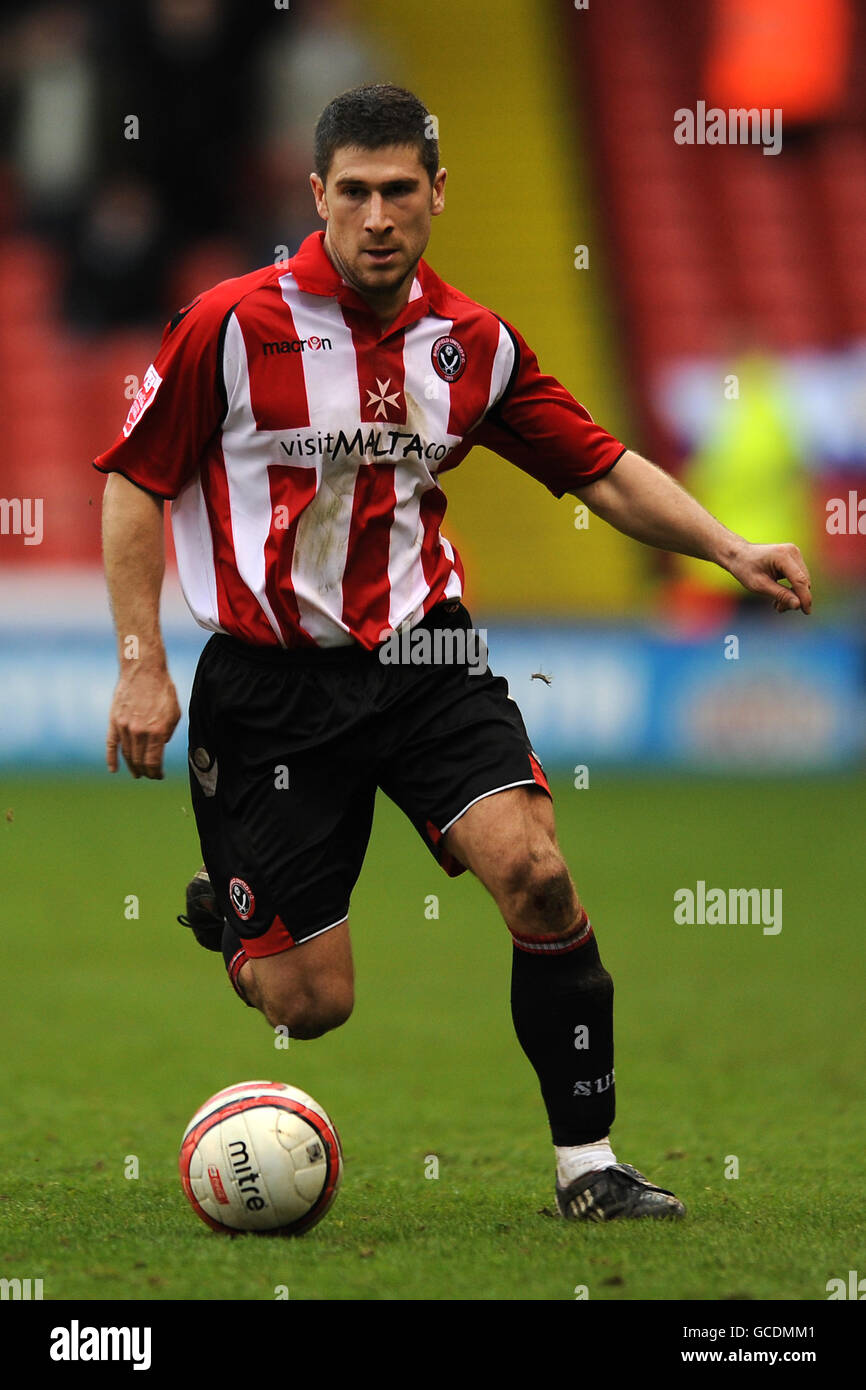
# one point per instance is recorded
(554, 944)
(236, 964)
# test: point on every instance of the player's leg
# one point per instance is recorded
(465, 773)
(561, 995)
(508, 840)
(308, 990)
(561, 999)
(283, 801)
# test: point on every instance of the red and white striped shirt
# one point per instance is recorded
(302, 444)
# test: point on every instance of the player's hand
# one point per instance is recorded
(144, 715)
(760, 567)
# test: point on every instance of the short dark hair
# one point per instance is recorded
(371, 117)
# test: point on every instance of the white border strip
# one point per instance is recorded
(320, 932)
(527, 782)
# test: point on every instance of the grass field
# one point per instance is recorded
(730, 1042)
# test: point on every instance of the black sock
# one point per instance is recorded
(562, 1007)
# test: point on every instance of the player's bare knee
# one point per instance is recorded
(323, 1018)
(306, 1016)
(541, 897)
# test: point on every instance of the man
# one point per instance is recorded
(299, 418)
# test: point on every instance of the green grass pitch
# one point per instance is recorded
(731, 1044)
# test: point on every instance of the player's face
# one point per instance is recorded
(377, 205)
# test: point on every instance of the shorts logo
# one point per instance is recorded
(149, 387)
(242, 898)
(205, 770)
(448, 358)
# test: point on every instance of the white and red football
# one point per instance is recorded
(261, 1156)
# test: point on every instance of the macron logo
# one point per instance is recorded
(76, 1343)
(313, 344)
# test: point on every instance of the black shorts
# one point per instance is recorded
(287, 749)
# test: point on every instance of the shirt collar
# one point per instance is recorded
(315, 273)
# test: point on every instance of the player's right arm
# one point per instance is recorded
(159, 448)
(144, 710)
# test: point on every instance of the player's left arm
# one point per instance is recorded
(646, 503)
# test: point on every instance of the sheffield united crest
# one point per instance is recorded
(449, 358)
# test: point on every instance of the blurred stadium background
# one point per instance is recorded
(707, 303)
